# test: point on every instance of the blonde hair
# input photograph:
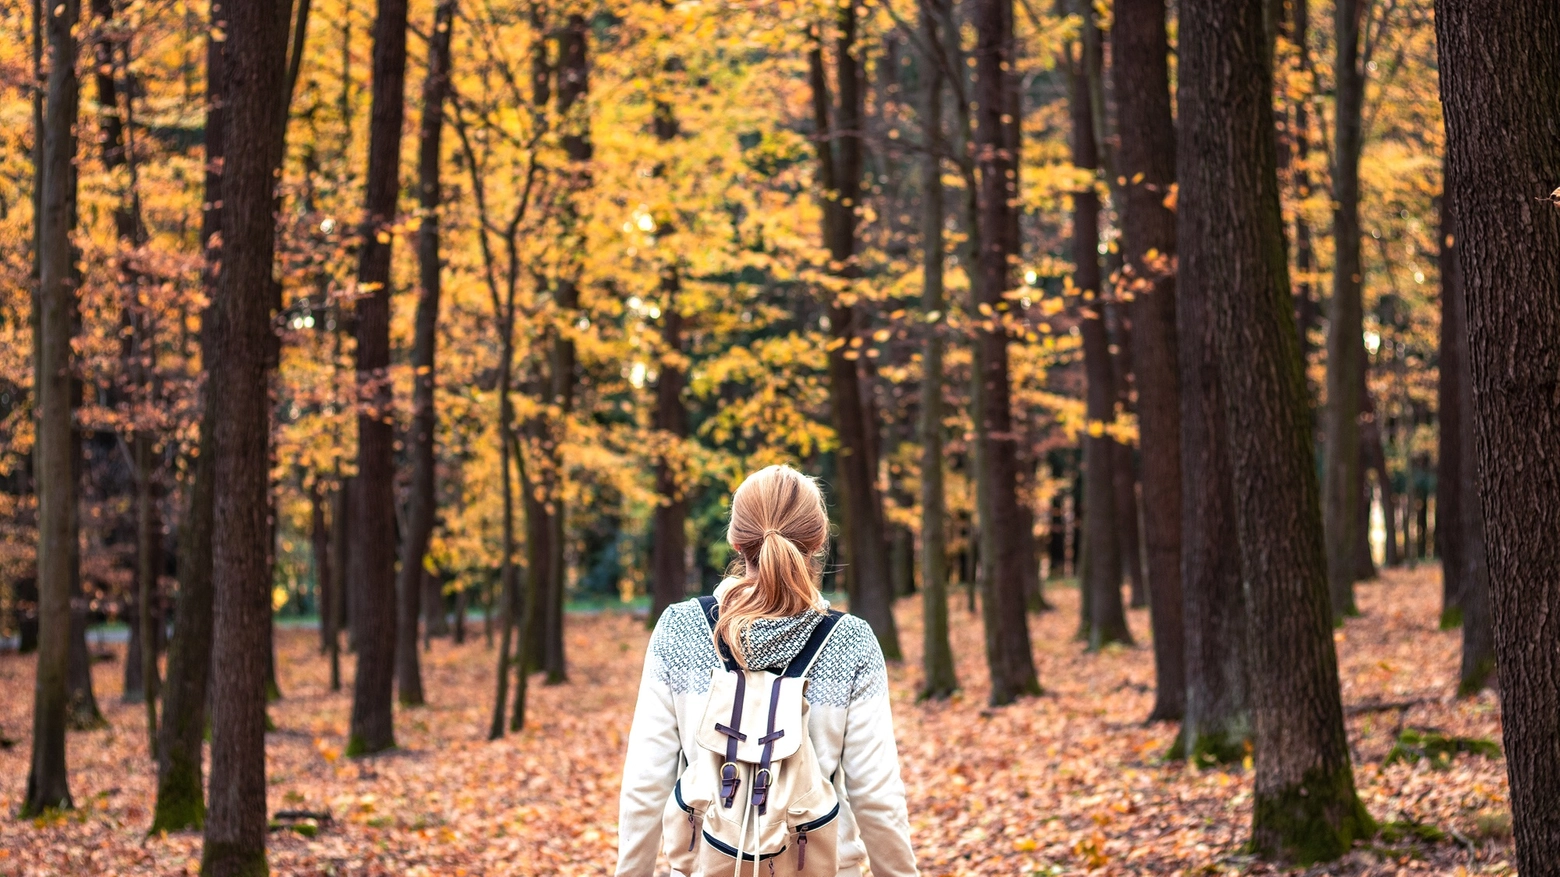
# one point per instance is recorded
(779, 528)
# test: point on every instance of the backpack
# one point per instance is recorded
(753, 800)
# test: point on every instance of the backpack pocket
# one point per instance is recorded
(816, 842)
(682, 827)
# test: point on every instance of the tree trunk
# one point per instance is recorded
(341, 566)
(1003, 549)
(149, 562)
(1500, 81)
(423, 504)
(839, 145)
(1375, 450)
(180, 797)
(1140, 53)
(938, 677)
(1449, 536)
(1304, 805)
(54, 470)
(256, 56)
(1345, 350)
(505, 321)
(319, 550)
(669, 539)
(374, 607)
(435, 620)
(1478, 645)
(1106, 621)
(1307, 309)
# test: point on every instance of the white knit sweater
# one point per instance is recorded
(850, 724)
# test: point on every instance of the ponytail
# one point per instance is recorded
(779, 527)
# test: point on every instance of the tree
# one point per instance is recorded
(1106, 621)
(53, 468)
(238, 375)
(423, 503)
(180, 793)
(838, 140)
(1453, 387)
(939, 679)
(669, 536)
(374, 606)
(1003, 550)
(1139, 52)
(1500, 80)
(1304, 806)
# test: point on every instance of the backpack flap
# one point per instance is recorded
(768, 701)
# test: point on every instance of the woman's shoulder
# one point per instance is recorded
(849, 666)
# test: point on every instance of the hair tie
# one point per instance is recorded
(773, 532)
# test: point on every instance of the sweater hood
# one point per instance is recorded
(770, 643)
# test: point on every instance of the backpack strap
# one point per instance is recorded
(711, 607)
(820, 633)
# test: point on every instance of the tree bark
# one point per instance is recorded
(180, 789)
(319, 550)
(423, 505)
(1140, 51)
(54, 471)
(374, 609)
(669, 537)
(1304, 805)
(256, 56)
(839, 144)
(1003, 548)
(1478, 645)
(1500, 81)
(939, 679)
(1107, 620)
(1345, 350)
(1450, 393)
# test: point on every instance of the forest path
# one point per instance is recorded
(1069, 783)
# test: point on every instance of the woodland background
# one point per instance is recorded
(549, 278)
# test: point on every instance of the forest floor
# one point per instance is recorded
(1069, 783)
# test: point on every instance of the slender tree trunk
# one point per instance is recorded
(180, 794)
(374, 609)
(839, 144)
(149, 562)
(1107, 621)
(1374, 449)
(341, 567)
(435, 620)
(423, 506)
(938, 677)
(1002, 556)
(1500, 81)
(1478, 643)
(1304, 806)
(1345, 350)
(256, 56)
(1449, 535)
(1140, 52)
(319, 549)
(53, 469)
(505, 321)
(669, 537)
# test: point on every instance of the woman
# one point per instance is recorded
(767, 614)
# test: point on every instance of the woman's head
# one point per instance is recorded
(778, 528)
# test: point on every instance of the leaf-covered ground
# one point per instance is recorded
(1068, 783)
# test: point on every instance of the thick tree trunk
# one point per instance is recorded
(1106, 621)
(1450, 393)
(374, 607)
(423, 505)
(1345, 350)
(54, 471)
(242, 354)
(1003, 549)
(1304, 805)
(938, 677)
(1500, 82)
(839, 145)
(1140, 52)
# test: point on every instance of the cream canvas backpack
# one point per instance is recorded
(753, 801)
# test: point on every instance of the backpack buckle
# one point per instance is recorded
(761, 782)
(728, 783)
